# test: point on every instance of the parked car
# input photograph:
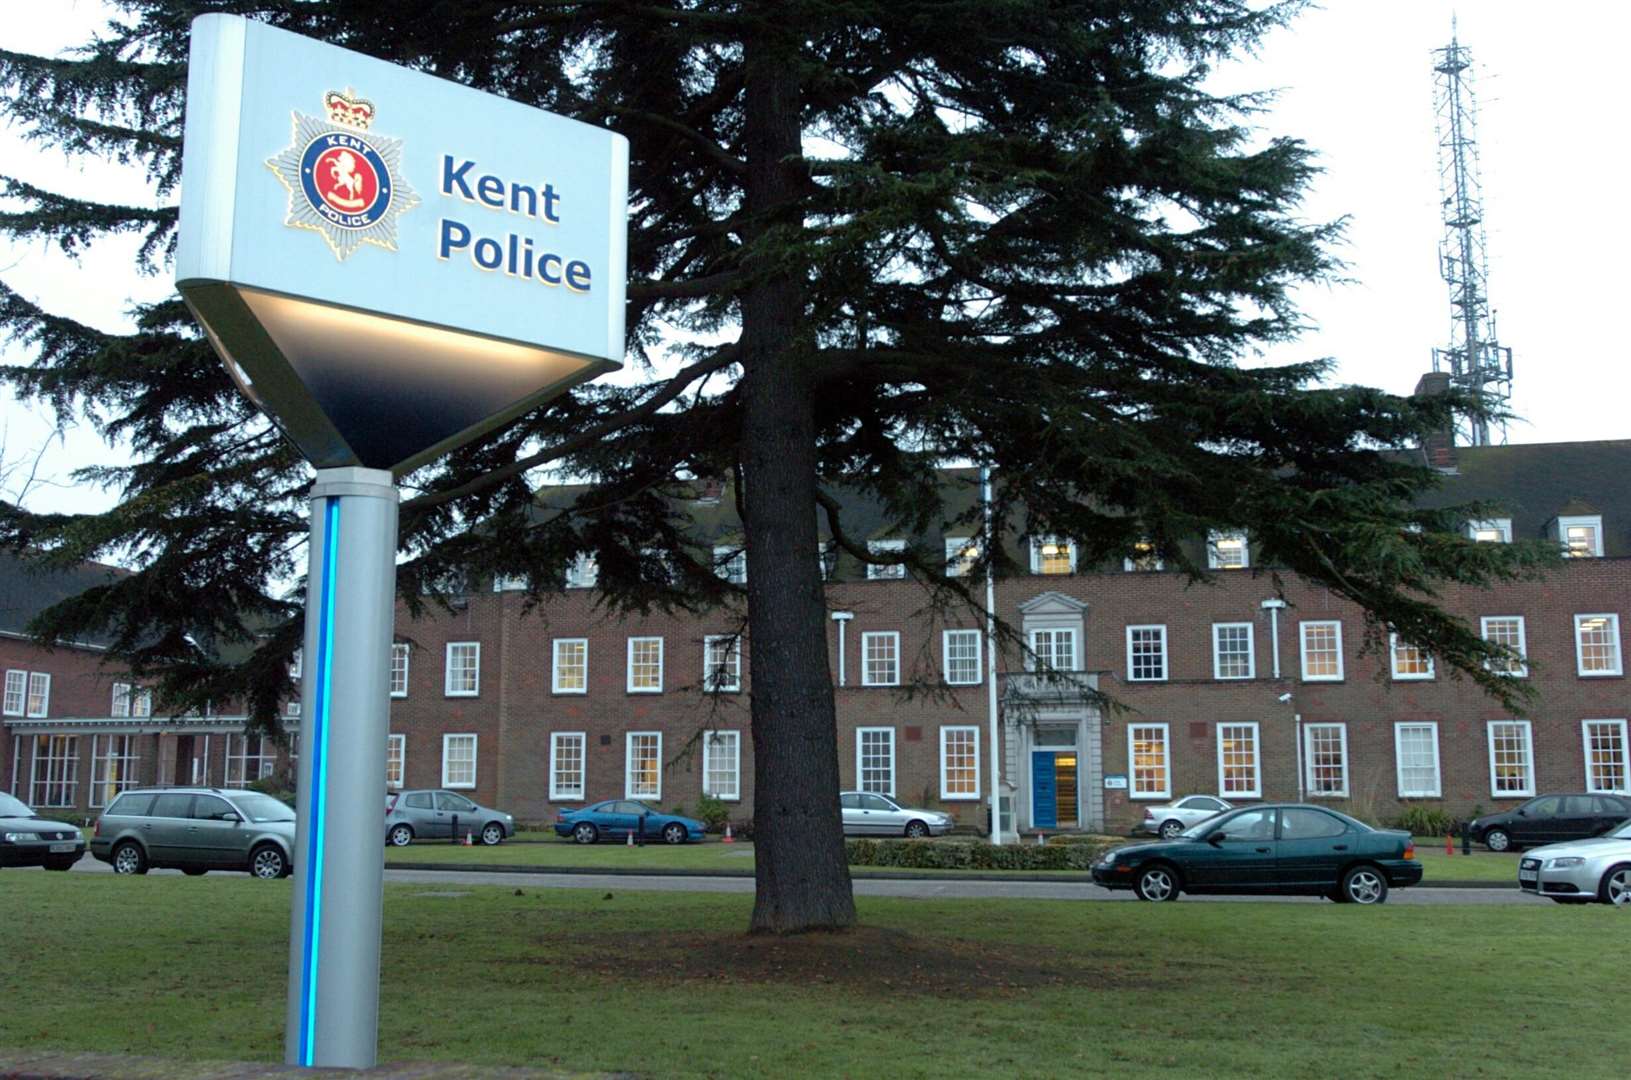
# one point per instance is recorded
(1173, 818)
(196, 830)
(1580, 872)
(26, 839)
(617, 819)
(1549, 819)
(1279, 848)
(442, 815)
(866, 813)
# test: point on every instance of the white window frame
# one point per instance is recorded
(61, 760)
(1624, 762)
(250, 766)
(1393, 643)
(447, 669)
(558, 741)
(1131, 677)
(42, 680)
(582, 573)
(1256, 790)
(1143, 564)
(1214, 559)
(141, 701)
(629, 683)
(297, 663)
(1043, 662)
(961, 552)
(726, 745)
(1217, 652)
(1579, 646)
(1528, 788)
(1302, 649)
(555, 684)
(1038, 542)
(1309, 774)
(1501, 527)
(510, 583)
(946, 637)
(731, 563)
(475, 759)
(400, 650)
(102, 761)
(860, 771)
(629, 738)
(119, 707)
(722, 663)
(1134, 737)
(1522, 670)
(946, 794)
(891, 572)
(1594, 522)
(867, 637)
(396, 746)
(16, 693)
(1406, 791)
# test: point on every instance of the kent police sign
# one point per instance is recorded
(390, 263)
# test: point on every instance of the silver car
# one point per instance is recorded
(1580, 871)
(196, 830)
(866, 813)
(1173, 818)
(442, 815)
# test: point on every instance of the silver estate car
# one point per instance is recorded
(441, 815)
(867, 813)
(1580, 871)
(196, 830)
(1173, 818)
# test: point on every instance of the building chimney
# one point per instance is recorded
(1438, 447)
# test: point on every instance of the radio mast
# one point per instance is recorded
(1475, 359)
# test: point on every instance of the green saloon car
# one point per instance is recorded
(1275, 849)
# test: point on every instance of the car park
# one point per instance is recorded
(1283, 848)
(442, 815)
(1550, 819)
(196, 830)
(1170, 819)
(1581, 871)
(867, 813)
(619, 819)
(26, 839)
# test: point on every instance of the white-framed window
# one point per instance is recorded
(1608, 765)
(1409, 662)
(1325, 753)
(1054, 649)
(1493, 531)
(1506, 630)
(1233, 655)
(463, 669)
(114, 760)
(396, 760)
(566, 765)
(880, 658)
(1321, 644)
(121, 700)
(569, 666)
(875, 759)
(884, 572)
(16, 692)
(583, 573)
(1582, 536)
(1149, 761)
(509, 582)
(1146, 653)
(1143, 558)
(54, 774)
(141, 701)
(1239, 770)
(292, 710)
(722, 764)
(826, 557)
(960, 654)
(399, 669)
(731, 563)
(959, 762)
(643, 765)
(961, 553)
(722, 663)
(297, 663)
(1511, 759)
(645, 666)
(249, 758)
(1227, 551)
(1596, 646)
(1052, 555)
(39, 694)
(459, 761)
(1415, 748)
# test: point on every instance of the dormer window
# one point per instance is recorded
(886, 572)
(731, 563)
(583, 573)
(1493, 531)
(1227, 551)
(1581, 537)
(1052, 555)
(961, 554)
(1143, 558)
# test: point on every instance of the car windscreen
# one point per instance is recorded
(1623, 832)
(257, 807)
(12, 807)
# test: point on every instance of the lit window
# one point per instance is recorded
(1143, 558)
(1607, 764)
(1148, 762)
(645, 665)
(292, 710)
(16, 690)
(644, 776)
(1415, 746)
(566, 752)
(399, 669)
(297, 663)
(396, 760)
(875, 759)
(961, 656)
(1227, 551)
(1325, 749)
(960, 762)
(722, 764)
(1581, 537)
(1232, 653)
(1052, 555)
(1506, 630)
(248, 759)
(39, 694)
(54, 774)
(570, 667)
(141, 702)
(583, 573)
(1494, 531)
(463, 669)
(722, 663)
(1596, 645)
(731, 563)
(880, 548)
(1409, 661)
(1511, 760)
(1322, 651)
(1055, 650)
(1238, 772)
(113, 767)
(1146, 653)
(458, 761)
(961, 554)
(880, 658)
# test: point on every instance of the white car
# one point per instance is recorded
(1581, 871)
(1170, 820)
(867, 813)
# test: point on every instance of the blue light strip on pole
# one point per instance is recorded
(318, 804)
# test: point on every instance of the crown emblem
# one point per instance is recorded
(348, 111)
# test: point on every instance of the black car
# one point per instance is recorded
(29, 840)
(1549, 819)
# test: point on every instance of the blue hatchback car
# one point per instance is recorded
(616, 819)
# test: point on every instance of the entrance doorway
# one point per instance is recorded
(1053, 789)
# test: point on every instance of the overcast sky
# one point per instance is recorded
(1355, 82)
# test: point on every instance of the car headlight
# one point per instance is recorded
(1564, 863)
(14, 837)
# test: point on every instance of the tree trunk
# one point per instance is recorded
(802, 874)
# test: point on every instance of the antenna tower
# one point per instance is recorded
(1477, 362)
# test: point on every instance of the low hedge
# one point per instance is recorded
(936, 855)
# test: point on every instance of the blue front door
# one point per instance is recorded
(1044, 791)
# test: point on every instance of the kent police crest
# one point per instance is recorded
(343, 182)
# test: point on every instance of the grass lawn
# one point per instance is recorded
(666, 984)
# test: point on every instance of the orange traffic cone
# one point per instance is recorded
(1449, 844)
(729, 839)
(468, 840)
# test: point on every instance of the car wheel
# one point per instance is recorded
(193, 871)
(585, 833)
(674, 833)
(128, 858)
(1497, 840)
(492, 833)
(1364, 885)
(916, 830)
(1157, 883)
(1170, 829)
(267, 863)
(1616, 886)
(400, 835)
